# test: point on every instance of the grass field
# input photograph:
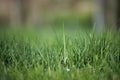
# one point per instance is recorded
(59, 54)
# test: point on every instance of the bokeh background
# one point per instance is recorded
(82, 13)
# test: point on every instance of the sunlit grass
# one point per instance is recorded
(59, 55)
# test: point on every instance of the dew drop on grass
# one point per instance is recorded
(68, 69)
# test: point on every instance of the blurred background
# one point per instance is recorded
(74, 13)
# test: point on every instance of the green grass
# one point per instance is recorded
(59, 55)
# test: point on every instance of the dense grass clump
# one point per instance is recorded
(59, 55)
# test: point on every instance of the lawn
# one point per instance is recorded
(59, 54)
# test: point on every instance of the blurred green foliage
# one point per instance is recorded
(74, 20)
